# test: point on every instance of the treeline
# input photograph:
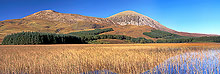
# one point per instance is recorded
(207, 39)
(25, 38)
(162, 34)
(89, 36)
(184, 40)
(91, 32)
(120, 37)
(190, 40)
(167, 37)
(28, 38)
(141, 40)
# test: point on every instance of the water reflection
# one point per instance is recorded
(203, 62)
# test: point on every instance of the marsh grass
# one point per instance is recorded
(66, 59)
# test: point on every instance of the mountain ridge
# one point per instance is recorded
(64, 17)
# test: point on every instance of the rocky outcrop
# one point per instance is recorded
(133, 18)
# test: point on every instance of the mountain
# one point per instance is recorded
(53, 22)
(138, 20)
(134, 18)
(128, 23)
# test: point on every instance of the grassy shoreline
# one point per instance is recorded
(79, 58)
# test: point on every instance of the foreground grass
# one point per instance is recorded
(118, 58)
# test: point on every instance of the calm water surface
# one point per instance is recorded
(204, 62)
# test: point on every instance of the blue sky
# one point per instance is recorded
(197, 16)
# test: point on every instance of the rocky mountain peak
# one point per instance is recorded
(45, 12)
(127, 13)
(42, 14)
(48, 11)
(134, 18)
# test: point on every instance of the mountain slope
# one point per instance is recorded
(134, 18)
(51, 15)
(131, 30)
(53, 22)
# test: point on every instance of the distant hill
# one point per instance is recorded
(127, 23)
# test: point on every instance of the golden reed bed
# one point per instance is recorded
(79, 58)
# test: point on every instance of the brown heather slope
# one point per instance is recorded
(131, 30)
(53, 22)
(51, 15)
